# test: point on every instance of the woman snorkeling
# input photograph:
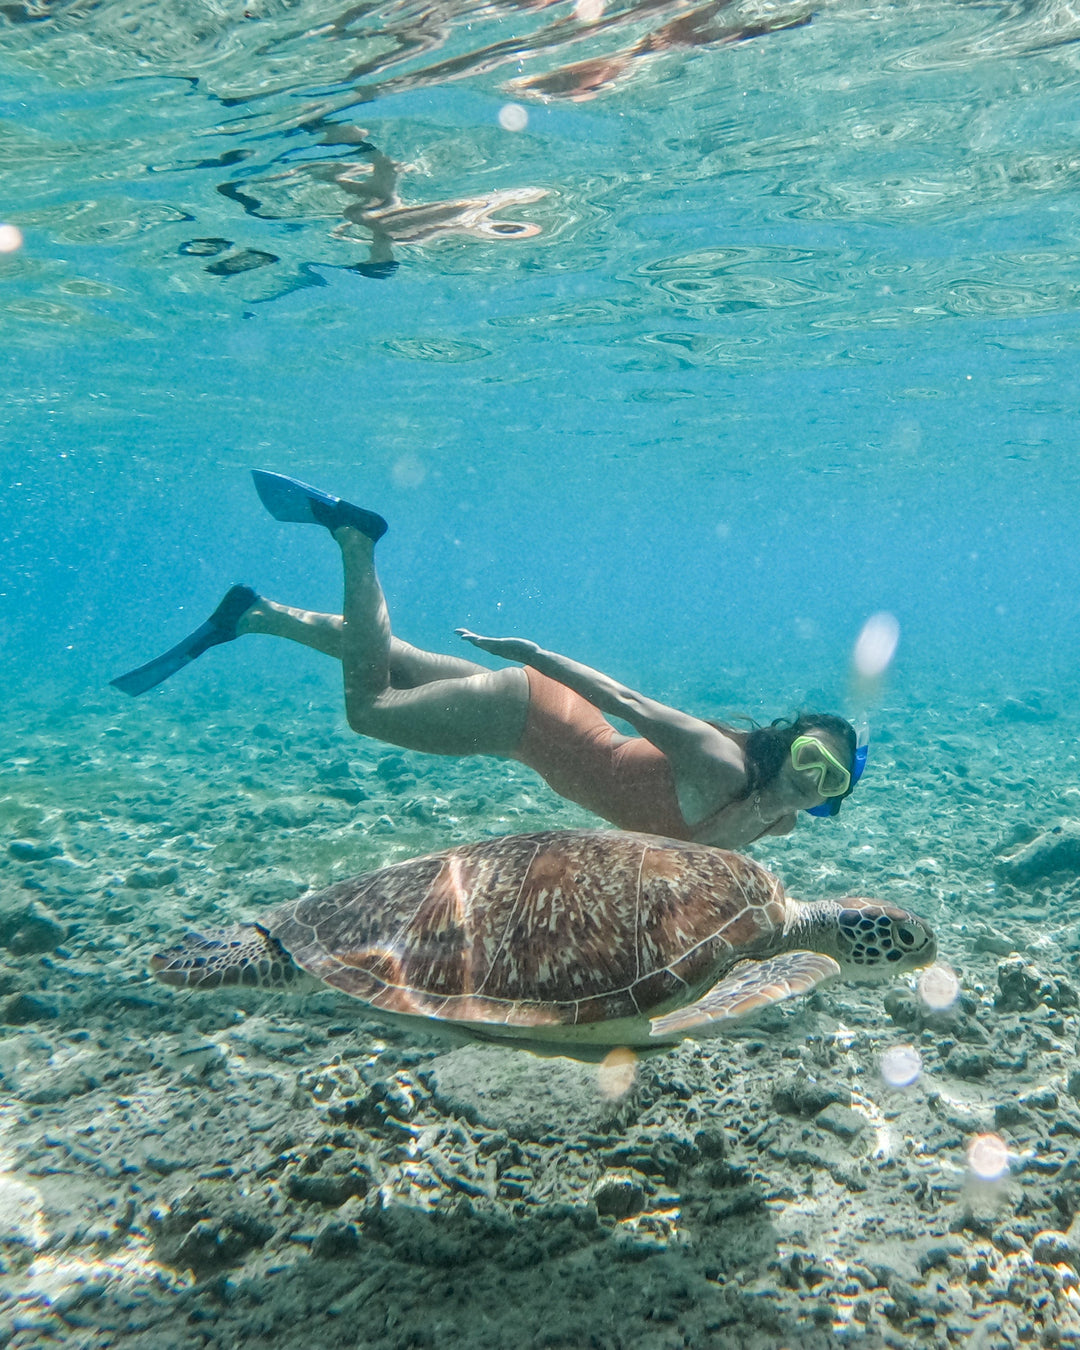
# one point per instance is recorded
(681, 776)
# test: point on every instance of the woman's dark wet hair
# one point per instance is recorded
(766, 748)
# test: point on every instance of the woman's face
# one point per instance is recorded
(806, 783)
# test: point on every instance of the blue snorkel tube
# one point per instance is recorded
(831, 806)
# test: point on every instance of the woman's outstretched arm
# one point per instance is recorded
(695, 747)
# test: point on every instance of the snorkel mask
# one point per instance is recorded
(813, 755)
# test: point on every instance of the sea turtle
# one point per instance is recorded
(570, 942)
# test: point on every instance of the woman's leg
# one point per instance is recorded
(409, 665)
(475, 714)
(395, 692)
(320, 632)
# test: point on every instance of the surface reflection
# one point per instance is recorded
(370, 51)
(714, 198)
(704, 26)
(368, 200)
(718, 23)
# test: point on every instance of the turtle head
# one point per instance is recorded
(873, 940)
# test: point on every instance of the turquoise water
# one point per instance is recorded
(783, 333)
(795, 340)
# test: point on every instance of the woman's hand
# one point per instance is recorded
(510, 649)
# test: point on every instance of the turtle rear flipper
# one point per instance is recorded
(240, 955)
(748, 987)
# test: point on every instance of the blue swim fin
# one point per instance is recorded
(289, 499)
(220, 627)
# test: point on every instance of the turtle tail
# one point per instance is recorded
(240, 955)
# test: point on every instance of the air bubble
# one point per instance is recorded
(875, 646)
(408, 471)
(901, 1066)
(938, 987)
(615, 1075)
(988, 1157)
(513, 117)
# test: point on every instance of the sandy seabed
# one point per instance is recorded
(182, 1170)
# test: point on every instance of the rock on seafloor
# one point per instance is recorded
(1052, 852)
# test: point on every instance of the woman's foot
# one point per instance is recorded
(221, 626)
(290, 499)
(235, 603)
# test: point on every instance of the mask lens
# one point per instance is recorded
(808, 753)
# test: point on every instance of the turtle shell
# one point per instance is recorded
(559, 928)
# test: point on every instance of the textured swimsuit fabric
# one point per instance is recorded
(572, 747)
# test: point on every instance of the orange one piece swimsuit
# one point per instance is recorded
(569, 744)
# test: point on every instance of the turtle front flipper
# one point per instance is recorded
(748, 987)
(240, 955)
